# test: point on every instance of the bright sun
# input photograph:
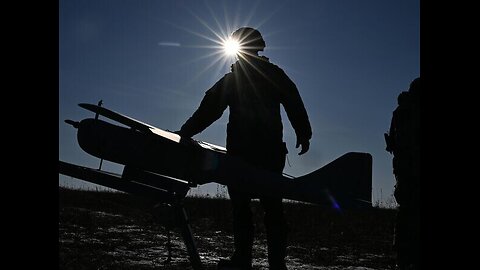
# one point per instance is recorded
(231, 47)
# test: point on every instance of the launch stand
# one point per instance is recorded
(161, 190)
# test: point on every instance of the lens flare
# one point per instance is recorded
(335, 205)
(225, 49)
(231, 47)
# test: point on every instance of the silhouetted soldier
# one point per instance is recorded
(403, 141)
(254, 90)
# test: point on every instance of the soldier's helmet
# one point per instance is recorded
(250, 39)
(415, 86)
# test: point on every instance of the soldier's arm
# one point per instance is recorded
(295, 109)
(211, 108)
(390, 137)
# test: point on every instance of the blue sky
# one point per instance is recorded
(154, 60)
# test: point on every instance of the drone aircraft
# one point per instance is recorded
(163, 166)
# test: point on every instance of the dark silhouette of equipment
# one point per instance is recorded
(163, 166)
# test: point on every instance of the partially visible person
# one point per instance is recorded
(403, 141)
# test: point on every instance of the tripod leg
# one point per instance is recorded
(169, 248)
(187, 236)
(165, 214)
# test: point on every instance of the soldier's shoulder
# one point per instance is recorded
(275, 69)
(266, 61)
(403, 98)
(227, 78)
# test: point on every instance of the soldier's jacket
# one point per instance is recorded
(405, 131)
(405, 142)
(253, 91)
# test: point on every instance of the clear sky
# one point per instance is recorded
(154, 60)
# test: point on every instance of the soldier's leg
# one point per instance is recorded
(401, 224)
(407, 227)
(276, 228)
(412, 215)
(400, 243)
(242, 228)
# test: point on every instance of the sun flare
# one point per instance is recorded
(225, 49)
(231, 47)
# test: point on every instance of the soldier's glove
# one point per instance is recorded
(305, 143)
(184, 138)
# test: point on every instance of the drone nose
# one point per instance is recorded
(73, 123)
